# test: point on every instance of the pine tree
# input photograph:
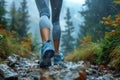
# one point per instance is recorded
(2, 12)
(96, 9)
(68, 41)
(23, 19)
(13, 15)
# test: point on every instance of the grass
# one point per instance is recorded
(87, 52)
(115, 58)
(10, 44)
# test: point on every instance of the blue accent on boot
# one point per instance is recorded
(58, 58)
(47, 52)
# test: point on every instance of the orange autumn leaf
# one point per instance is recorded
(117, 15)
(114, 32)
(117, 19)
(26, 44)
(82, 75)
(2, 31)
(2, 26)
(87, 39)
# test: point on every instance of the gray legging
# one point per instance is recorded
(43, 8)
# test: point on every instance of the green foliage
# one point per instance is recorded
(96, 9)
(108, 33)
(23, 19)
(19, 19)
(68, 40)
(112, 38)
(115, 57)
(13, 20)
(104, 57)
(9, 44)
(109, 45)
(4, 47)
(14, 39)
(2, 12)
(35, 44)
(87, 52)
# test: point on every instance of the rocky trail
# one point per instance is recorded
(18, 68)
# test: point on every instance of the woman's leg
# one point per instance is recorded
(47, 51)
(45, 23)
(56, 8)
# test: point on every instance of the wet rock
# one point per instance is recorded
(1, 78)
(25, 78)
(12, 60)
(96, 67)
(110, 67)
(91, 71)
(116, 75)
(32, 57)
(35, 75)
(28, 69)
(7, 73)
(91, 78)
(70, 75)
(108, 77)
(25, 68)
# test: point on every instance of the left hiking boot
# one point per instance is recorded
(47, 52)
(58, 58)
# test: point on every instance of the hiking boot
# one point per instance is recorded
(47, 52)
(58, 58)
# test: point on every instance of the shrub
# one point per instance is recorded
(115, 58)
(112, 38)
(10, 43)
(87, 52)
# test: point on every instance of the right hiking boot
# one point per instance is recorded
(47, 52)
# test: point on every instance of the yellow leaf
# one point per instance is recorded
(118, 15)
(107, 23)
(107, 34)
(87, 39)
(115, 25)
(116, 2)
(107, 18)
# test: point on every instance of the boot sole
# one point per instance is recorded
(47, 59)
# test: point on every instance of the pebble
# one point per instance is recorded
(28, 69)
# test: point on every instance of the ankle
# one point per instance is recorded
(56, 53)
(44, 41)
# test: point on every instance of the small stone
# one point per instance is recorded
(117, 75)
(7, 73)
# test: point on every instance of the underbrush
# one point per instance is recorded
(115, 58)
(10, 43)
(87, 52)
